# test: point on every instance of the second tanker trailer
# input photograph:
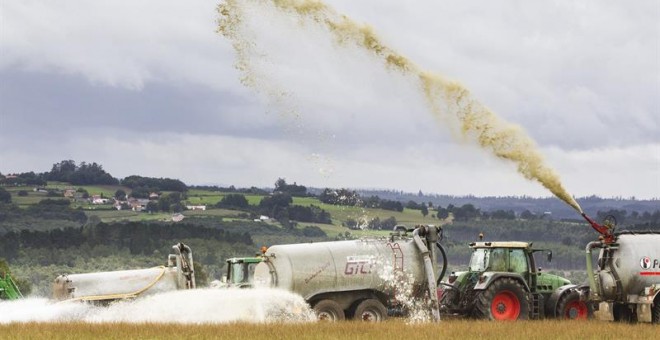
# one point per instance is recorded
(624, 285)
(365, 279)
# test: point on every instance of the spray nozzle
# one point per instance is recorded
(606, 230)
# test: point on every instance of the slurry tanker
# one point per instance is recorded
(105, 287)
(624, 285)
(366, 279)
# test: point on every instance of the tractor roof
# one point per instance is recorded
(508, 244)
(244, 260)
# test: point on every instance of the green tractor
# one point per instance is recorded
(8, 289)
(503, 283)
(240, 271)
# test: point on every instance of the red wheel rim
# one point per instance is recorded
(576, 310)
(505, 306)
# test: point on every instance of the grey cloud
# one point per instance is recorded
(581, 77)
(61, 105)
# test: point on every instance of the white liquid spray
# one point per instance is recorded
(199, 306)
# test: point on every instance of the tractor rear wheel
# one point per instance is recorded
(505, 299)
(370, 310)
(329, 310)
(656, 310)
(570, 307)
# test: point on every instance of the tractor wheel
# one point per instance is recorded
(570, 307)
(448, 298)
(329, 310)
(370, 310)
(656, 311)
(505, 299)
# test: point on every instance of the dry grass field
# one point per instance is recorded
(395, 329)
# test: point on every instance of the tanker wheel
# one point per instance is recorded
(656, 311)
(370, 310)
(570, 307)
(505, 299)
(623, 313)
(448, 296)
(329, 310)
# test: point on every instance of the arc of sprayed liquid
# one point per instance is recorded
(447, 99)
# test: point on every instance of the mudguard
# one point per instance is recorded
(553, 301)
(487, 278)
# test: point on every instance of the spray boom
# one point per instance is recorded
(605, 230)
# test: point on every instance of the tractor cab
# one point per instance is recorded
(240, 271)
(494, 259)
(501, 257)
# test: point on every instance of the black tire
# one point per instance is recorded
(622, 313)
(370, 310)
(571, 308)
(448, 299)
(656, 311)
(329, 310)
(504, 299)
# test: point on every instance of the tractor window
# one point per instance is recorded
(250, 272)
(237, 273)
(518, 261)
(498, 260)
(479, 260)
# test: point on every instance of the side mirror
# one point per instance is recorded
(550, 256)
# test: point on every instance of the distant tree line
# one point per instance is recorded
(295, 190)
(150, 184)
(375, 223)
(91, 174)
(138, 237)
(83, 174)
(351, 198)
(46, 209)
(26, 178)
(469, 212)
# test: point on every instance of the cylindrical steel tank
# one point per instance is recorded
(309, 269)
(123, 284)
(634, 261)
(116, 284)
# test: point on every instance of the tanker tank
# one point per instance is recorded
(363, 278)
(625, 285)
(128, 284)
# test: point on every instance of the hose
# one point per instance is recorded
(444, 263)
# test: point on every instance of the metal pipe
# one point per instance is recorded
(430, 274)
(594, 287)
(185, 267)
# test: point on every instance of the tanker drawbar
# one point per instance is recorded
(105, 287)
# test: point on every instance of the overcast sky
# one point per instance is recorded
(150, 88)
